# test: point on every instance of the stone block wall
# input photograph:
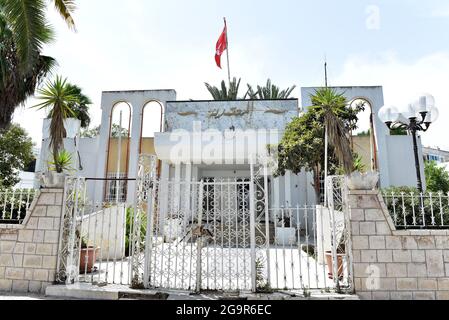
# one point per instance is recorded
(390, 264)
(28, 252)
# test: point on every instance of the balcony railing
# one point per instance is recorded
(418, 211)
(14, 204)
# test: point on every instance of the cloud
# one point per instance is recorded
(403, 81)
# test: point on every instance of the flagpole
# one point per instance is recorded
(227, 52)
(326, 144)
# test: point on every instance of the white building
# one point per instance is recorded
(217, 140)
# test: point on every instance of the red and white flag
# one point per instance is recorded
(221, 46)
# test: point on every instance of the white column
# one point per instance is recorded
(134, 144)
(188, 179)
(177, 187)
(288, 188)
(163, 196)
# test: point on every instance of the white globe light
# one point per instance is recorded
(426, 102)
(388, 114)
(420, 105)
(409, 111)
(433, 115)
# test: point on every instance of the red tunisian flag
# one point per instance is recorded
(221, 46)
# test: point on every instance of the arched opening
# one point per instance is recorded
(152, 122)
(118, 152)
(363, 139)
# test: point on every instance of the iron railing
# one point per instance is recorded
(14, 204)
(418, 211)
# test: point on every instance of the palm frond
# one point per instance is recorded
(269, 92)
(66, 8)
(331, 106)
(58, 96)
(29, 27)
(224, 93)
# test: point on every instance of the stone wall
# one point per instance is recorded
(28, 252)
(392, 264)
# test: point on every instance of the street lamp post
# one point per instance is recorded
(418, 116)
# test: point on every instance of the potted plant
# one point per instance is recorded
(88, 256)
(361, 179)
(341, 252)
(58, 169)
(285, 233)
(58, 96)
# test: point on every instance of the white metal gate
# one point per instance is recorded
(213, 234)
(222, 234)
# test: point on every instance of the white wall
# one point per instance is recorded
(395, 157)
(401, 161)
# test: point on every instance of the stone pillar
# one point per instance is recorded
(29, 251)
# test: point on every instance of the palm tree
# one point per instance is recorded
(58, 96)
(269, 91)
(332, 106)
(224, 93)
(16, 84)
(80, 108)
(23, 32)
(30, 29)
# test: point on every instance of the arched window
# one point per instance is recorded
(118, 152)
(152, 122)
(364, 137)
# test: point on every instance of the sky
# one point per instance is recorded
(402, 45)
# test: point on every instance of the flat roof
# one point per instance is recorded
(237, 100)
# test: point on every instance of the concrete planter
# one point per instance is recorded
(173, 229)
(285, 236)
(53, 179)
(363, 181)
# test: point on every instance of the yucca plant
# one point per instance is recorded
(62, 162)
(224, 93)
(57, 96)
(269, 92)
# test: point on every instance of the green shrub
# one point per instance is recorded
(130, 224)
(13, 209)
(406, 205)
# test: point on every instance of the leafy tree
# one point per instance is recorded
(269, 91)
(398, 132)
(58, 96)
(16, 152)
(437, 178)
(302, 145)
(225, 93)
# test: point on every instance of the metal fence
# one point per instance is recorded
(116, 187)
(418, 211)
(211, 234)
(14, 204)
(94, 241)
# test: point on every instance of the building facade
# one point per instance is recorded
(213, 140)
